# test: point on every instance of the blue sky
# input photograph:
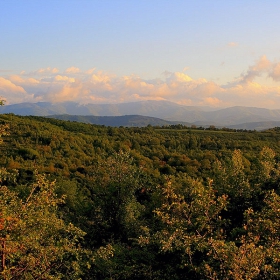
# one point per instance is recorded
(214, 53)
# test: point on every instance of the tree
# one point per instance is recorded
(35, 243)
(116, 181)
(190, 221)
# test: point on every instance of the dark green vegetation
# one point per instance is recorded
(127, 121)
(138, 203)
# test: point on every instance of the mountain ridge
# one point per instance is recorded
(164, 110)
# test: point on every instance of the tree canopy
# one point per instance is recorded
(81, 201)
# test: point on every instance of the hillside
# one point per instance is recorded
(126, 121)
(149, 200)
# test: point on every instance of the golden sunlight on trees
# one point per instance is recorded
(174, 203)
(195, 224)
(35, 243)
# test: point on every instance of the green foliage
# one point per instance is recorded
(191, 222)
(116, 181)
(215, 215)
(35, 242)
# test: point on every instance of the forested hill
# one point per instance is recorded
(139, 203)
(126, 121)
(142, 121)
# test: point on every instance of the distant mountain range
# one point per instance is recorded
(151, 112)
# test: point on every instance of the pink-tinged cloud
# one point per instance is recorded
(232, 44)
(6, 86)
(95, 86)
(19, 80)
(212, 101)
(207, 89)
(60, 78)
(186, 102)
(262, 65)
(68, 92)
(13, 93)
(90, 71)
(275, 72)
(72, 70)
(41, 72)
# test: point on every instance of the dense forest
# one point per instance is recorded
(82, 201)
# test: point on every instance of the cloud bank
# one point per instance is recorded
(95, 86)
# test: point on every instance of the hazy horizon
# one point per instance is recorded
(195, 53)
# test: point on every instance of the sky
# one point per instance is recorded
(198, 53)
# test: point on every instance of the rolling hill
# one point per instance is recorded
(163, 112)
(126, 121)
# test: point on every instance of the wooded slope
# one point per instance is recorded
(155, 202)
